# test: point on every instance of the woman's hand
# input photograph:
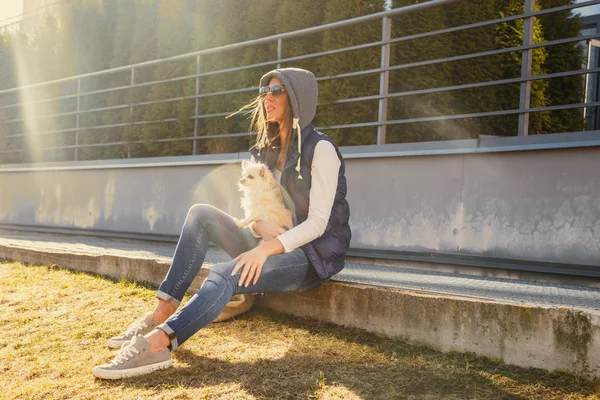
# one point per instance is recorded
(252, 262)
(267, 230)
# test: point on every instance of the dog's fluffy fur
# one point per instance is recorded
(262, 197)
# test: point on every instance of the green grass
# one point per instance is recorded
(54, 324)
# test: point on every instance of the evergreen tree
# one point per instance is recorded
(267, 18)
(560, 58)
(421, 77)
(93, 43)
(93, 35)
(125, 21)
(65, 57)
(43, 49)
(356, 60)
(300, 14)
(262, 21)
(510, 34)
(228, 24)
(472, 70)
(143, 48)
(7, 81)
(175, 24)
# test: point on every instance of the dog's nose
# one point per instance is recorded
(243, 181)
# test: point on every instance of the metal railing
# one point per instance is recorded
(382, 122)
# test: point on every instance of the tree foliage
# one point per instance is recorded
(98, 35)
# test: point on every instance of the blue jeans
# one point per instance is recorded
(287, 272)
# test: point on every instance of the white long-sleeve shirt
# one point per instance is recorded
(324, 173)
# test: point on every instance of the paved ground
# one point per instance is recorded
(504, 290)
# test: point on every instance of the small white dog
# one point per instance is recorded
(262, 197)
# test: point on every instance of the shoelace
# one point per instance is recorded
(124, 355)
(135, 328)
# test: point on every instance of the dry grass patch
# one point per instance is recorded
(54, 324)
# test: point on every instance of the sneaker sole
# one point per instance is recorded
(131, 372)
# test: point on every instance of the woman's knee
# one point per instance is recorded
(221, 272)
(199, 213)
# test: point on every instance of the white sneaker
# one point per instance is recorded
(133, 360)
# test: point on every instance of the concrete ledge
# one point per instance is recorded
(549, 338)
(143, 270)
(529, 336)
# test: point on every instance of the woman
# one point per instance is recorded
(310, 168)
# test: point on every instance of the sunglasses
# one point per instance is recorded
(276, 91)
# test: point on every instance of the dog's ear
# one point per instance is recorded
(261, 171)
(244, 163)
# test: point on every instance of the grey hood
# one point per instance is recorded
(302, 89)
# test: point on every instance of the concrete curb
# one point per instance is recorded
(116, 267)
(548, 338)
(528, 336)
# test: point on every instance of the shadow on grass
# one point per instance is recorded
(404, 370)
(564, 382)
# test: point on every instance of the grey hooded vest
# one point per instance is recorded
(326, 253)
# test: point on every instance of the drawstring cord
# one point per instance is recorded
(296, 125)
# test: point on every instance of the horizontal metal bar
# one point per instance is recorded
(495, 21)
(307, 31)
(232, 91)
(335, 25)
(457, 58)
(382, 42)
(321, 78)
(350, 48)
(460, 116)
(374, 97)
(122, 106)
(289, 59)
(85, 128)
(391, 122)
(203, 74)
(215, 72)
(355, 99)
(177, 139)
(493, 52)
(469, 86)
(411, 37)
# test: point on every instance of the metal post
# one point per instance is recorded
(587, 78)
(195, 150)
(77, 119)
(526, 62)
(278, 52)
(384, 79)
(131, 111)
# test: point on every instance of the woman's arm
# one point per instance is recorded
(324, 179)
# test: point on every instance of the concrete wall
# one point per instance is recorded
(144, 200)
(541, 205)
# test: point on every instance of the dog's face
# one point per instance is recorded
(255, 176)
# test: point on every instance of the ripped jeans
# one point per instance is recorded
(287, 272)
